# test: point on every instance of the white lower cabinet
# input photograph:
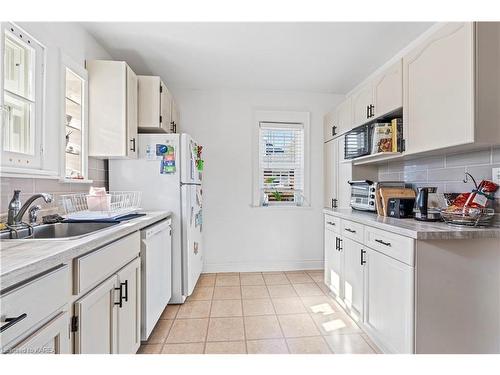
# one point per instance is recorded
(94, 323)
(129, 312)
(333, 263)
(354, 255)
(389, 307)
(52, 338)
(107, 319)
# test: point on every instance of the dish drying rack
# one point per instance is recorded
(114, 204)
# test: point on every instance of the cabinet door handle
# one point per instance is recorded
(11, 321)
(350, 230)
(383, 242)
(133, 144)
(340, 244)
(363, 261)
(334, 203)
(122, 297)
(334, 130)
(372, 107)
(336, 243)
(367, 111)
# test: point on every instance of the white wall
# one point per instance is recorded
(238, 237)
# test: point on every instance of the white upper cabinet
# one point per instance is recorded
(329, 130)
(154, 105)
(439, 89)
(388, 90)
(362, 100)
(343, 118)
(112, 109)
(175, 117)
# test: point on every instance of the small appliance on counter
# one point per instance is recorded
(426, 204)
(385, 190)
(363, 195)
(400, 208)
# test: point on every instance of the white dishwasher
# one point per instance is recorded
(156, 274)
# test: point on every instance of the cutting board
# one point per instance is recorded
(391, 192)
(378, 202)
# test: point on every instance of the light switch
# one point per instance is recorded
(495, 173)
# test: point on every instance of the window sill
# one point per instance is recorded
(277, 207)
(28, 173)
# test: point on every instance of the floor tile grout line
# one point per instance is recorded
(279, 324)
(208, 324)
(243, 319)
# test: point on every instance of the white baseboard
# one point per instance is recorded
(263, 266)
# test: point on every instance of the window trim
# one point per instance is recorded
(280, 117)
(13, 162)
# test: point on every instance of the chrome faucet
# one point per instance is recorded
(17, 210)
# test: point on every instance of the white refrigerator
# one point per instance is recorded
(167, 174)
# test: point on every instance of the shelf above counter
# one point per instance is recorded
(374, 158)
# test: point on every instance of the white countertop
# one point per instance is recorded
(22, 259)
(415, 229)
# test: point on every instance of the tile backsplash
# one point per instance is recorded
(446, 172)
(98, 172)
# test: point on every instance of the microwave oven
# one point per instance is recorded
(357, 142)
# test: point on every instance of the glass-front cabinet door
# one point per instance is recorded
(75, 121)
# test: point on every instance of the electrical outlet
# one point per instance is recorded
(495, 173)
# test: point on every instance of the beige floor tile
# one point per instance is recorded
(336, 323)
(299, 278)
(273, 273)
(189, 348)
(349, 344)
(225, 329)
(321, 305)
(254, 291)
(228, 274)
(227, 292)
(170, 312)
(226, 280)
(324, 288)
(257, 307)
(206, 280)
(262, 327)
(226, 308)
(298, 325)
(150, 349)
(226, 347)
(318, 277)
(308, 345)
(281, 291)
(275, 279)
(269, 346)
(306, 290)
(203, 293)
(291, 305)
(194, 309)
(251, 279)
(160, 332)
(188, 330)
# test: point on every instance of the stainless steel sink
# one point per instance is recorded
(55, 231)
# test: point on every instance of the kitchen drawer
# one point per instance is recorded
(94, 267)
(352, 230)
(393, 245)
(332, 223)
(33, 303)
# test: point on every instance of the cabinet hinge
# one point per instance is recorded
(161, 119)
(74, 323)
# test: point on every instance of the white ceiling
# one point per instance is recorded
(320, 57)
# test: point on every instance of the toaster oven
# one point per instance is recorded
(363, 195)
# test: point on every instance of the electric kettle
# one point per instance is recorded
(427, 204)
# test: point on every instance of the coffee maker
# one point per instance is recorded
(427, 204)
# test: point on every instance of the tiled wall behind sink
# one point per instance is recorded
(98, 172)
(446, 172)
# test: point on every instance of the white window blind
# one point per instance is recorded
(281, 169)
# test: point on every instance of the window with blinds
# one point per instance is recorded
(281, 167)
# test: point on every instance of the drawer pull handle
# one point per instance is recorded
(382, 242)
(330, 223)
(11, 321)
(350, 230)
